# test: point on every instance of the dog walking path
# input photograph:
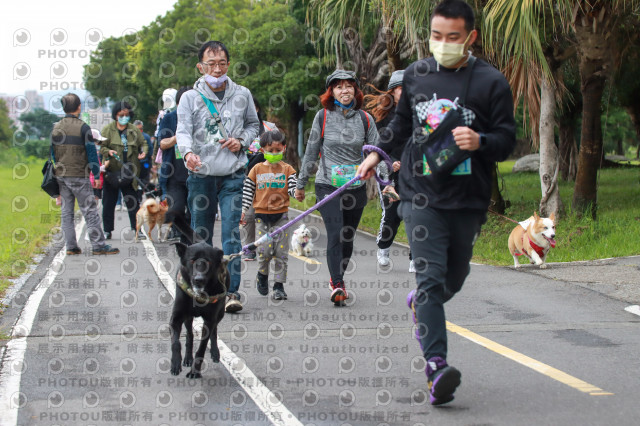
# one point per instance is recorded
(90, 345)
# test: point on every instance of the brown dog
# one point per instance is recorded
(152, 213)
(533, 238)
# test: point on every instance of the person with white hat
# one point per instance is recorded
(72, 167)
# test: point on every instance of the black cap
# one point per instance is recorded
(341, 75)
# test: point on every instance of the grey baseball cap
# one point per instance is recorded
(341, 75)
(396, 79)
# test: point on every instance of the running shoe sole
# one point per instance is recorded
(442, 388)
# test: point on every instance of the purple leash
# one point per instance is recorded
(366, 149)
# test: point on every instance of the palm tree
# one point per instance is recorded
(515, 37)
(343, 26)
(594, 26)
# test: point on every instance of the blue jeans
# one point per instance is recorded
(205, 192)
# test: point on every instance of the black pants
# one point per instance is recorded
(389, 224)
(442, 245)
(177, 193)
(109, 199)
(341, 217)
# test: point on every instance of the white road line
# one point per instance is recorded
(634, 309)
(11, 399)
(264, 398)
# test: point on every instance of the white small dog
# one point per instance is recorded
(301, 241)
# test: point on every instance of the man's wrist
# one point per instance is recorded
(482, 141)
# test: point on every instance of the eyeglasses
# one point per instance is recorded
(212, 64)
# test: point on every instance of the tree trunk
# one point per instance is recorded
(498, 204)
(568, 149)
(590, 156)
(295, 113)
(593, 24)
(550, 202)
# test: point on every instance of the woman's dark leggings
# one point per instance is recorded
(109, 199)
(341, 217)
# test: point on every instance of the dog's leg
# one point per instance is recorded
(202, 348)
(166, 232)
(151, 226)
(215, 352)
(537, 260)
(543, 265)
(188, 350)
(176, 356)
(516, 262)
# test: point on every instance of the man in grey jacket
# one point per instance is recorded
(216, 123)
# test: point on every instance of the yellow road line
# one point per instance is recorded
(538, 366)
(305, 259)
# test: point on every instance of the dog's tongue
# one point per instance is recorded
(552, 242)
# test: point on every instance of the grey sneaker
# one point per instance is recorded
(278, 292)
(106, 250)
(383, 257)
(233, 303)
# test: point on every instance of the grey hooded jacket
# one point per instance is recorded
(239, 118)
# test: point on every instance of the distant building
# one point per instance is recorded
(35, 99)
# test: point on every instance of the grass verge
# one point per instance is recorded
(28, 216)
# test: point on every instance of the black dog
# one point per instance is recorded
(201, 288)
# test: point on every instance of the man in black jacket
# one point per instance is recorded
(443, 213)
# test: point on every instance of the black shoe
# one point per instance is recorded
(278, 292)
(107, 235)
(262, 283)
(442, 381)
(74, 251)
(141, 237)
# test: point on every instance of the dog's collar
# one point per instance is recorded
(184, 285)
(303, 244)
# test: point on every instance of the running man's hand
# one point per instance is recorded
(466, 139)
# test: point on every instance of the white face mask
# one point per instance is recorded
(447, 54)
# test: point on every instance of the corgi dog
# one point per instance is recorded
(533, 238)
(152, 213)
(301, 241)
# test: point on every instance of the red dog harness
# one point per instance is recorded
(539, 250)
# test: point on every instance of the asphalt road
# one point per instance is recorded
(91, 346)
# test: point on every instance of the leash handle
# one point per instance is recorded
(368, 149)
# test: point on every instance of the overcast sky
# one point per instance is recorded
(45, 43)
